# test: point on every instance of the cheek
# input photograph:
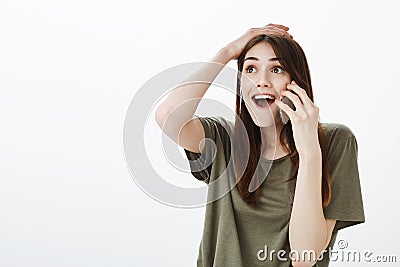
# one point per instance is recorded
(282, 85)
(246, 85)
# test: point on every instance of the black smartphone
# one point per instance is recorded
(283, 115)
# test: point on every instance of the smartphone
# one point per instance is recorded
(283, 115)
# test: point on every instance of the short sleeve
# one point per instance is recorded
(346, 204)
(217, 130)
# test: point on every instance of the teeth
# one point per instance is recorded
(264, 97)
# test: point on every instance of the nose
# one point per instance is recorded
(263, 80)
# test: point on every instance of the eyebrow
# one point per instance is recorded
(257, 59)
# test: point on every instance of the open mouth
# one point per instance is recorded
(263, 101)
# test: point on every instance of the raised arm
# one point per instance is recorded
(175, 115)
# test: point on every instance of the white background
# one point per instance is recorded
(68, 71)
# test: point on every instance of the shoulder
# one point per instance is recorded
(339, 140)
(335, 132)
(217, 123)
(223, 121)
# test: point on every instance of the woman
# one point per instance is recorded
(297, 186)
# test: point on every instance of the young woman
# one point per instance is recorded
(297, 185)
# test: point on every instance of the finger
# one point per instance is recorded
(302, 95)
(275, 31)
(278, 26)
(285, 108)
(271, 28)
(294, 98)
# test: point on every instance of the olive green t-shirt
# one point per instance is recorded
(236, 234)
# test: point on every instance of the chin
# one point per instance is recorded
(264, 118)
(264, 121)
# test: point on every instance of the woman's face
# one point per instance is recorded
(263, 79)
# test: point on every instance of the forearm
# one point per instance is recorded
(307, 227)
(181, 103)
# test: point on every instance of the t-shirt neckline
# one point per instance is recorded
(274, 160)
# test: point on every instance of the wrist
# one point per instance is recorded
(311, 152)
(226, 52)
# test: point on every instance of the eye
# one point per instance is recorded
(249, 68)
(277, 70)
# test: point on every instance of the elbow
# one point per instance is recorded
(302, 264)
(307, 258)
(161, 116)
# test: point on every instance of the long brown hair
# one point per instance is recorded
(293, 60)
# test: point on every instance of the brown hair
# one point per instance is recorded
(293, 60)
